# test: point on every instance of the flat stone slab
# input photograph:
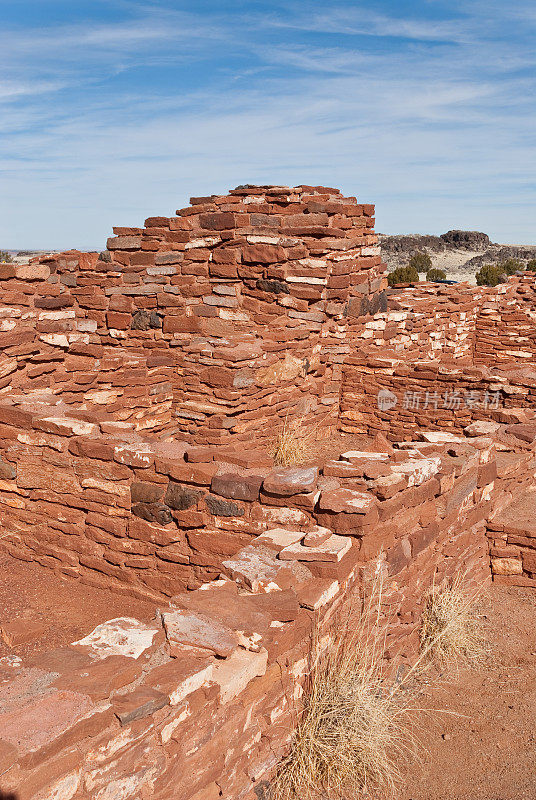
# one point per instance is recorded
(526, 431)
(346, 500)
(439, 437)
(291, 480)
(318, 593)
(234, 674)
(482, 427)
(333, 549)
(194, 629)
(278, 538)
(140, 703)
(41, 721)
(418, 470)
(519, 517)
(123, 636)
(316, 537)
(364, 455)
(258, 568)
(21, 631)
(182, 675)
(250, 616)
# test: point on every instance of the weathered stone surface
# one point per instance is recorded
(197, 630)
(288, 481)
(153, 512)
(418, 470)
(278, 538)
(317, 593)
(258, 568)
(20, 631)
(507, 566)
(332, 549)
(482, 428)
(35, 725)
(142, 492)
(123, 636)
(145, 320)
(346, 500)
(223, 508)
(140, 703)
(236, 486)
(236, 672)
(98, 679)
(181, 497)
(316, 537)
(181, 676)
(526, 431)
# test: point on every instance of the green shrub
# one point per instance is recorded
(436, 275)
(492, 274)
(420, 261)
(403, 275)
(5, 257)
(531, 265)
(510, 266)
(489, 275)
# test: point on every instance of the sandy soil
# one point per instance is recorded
(484, 747)
(67, 609)
(453, 263)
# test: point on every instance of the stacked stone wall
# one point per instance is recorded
(201, 703)
(215, 323)
(446, 354)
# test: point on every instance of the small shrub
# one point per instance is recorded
(531, 265)
(436, 275)
(420, 261)
(293, 444)
(5, 257)
(493, 274)
(489, 275)
(353, 733)
(511, 266)
(451, 628)
(403, 275)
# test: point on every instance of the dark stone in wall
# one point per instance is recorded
(223, 508)
(181, 497)
(146, 492)
(370, 304)
(144, 320)
(152, 512)
(276, 287)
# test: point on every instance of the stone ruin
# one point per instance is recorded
(140, 389)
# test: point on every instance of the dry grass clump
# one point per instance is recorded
(353, 733)
(293, 444)
(451, 627)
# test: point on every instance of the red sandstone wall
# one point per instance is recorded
(206, 712)
(449, 354)
(213, 323)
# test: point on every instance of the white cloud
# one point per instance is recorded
(438, 136)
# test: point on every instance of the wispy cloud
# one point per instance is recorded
(109, 120)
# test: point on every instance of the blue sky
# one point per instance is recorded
(114, 110)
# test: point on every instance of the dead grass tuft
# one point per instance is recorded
(293, 444)
(353, 733)
(451, 629)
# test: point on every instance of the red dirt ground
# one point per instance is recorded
(485, 748)
(67, 608)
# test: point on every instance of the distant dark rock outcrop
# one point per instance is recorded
(466, 240)
(459, 253)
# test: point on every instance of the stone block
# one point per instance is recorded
(142, 702)
(192, 629)
(289, 481)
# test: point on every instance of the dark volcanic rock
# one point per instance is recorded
(467, 240)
